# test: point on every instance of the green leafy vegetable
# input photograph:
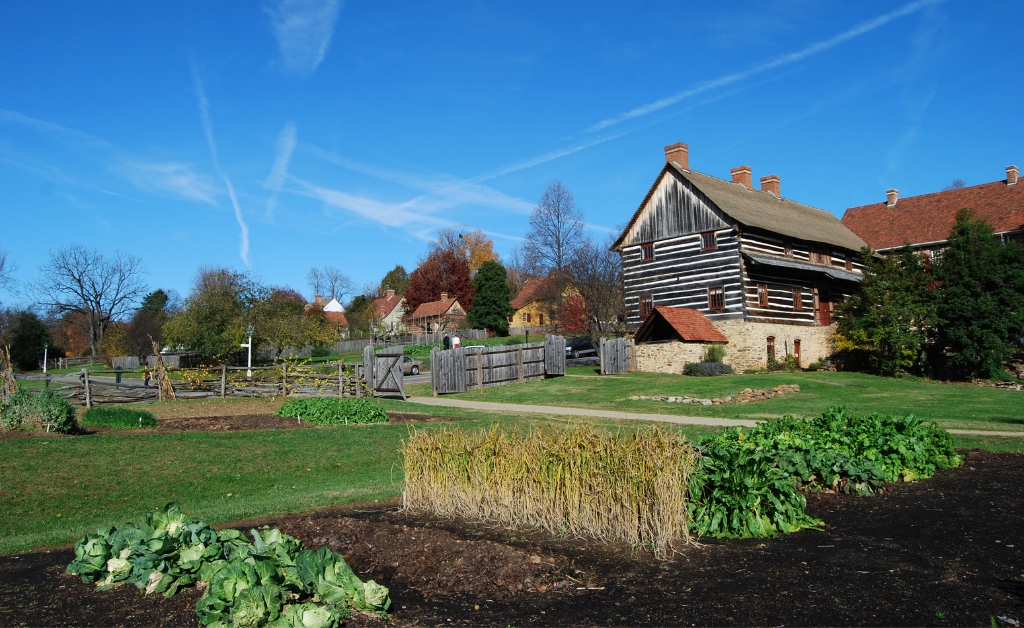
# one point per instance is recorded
(248, 583)
(328, 411)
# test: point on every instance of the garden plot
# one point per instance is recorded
(943, 552)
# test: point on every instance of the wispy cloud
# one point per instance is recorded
(178, 179)
(388, 214)
(279, 172)
(204, 115)
(777, 62)
(303, 29)
(13, 117)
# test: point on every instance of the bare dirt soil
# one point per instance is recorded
(945, 551)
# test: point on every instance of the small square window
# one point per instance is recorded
(798, 299)
(849, 262)
(541, 321)
(716, 298)
(762, 296)
(526, 317)
(647, 252)
(646, 305)
(708, 241)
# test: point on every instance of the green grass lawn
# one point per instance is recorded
(951, 406)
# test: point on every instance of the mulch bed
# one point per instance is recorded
(945, 551)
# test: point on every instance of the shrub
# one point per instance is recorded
(333, 411)
(746, 483)
(714, 353)
(319, 352)
(420, 349)
(707, 369)
(579, 480)
(118, 418)
(39, 412)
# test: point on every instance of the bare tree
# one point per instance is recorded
(955, 184)
(316, 280)
(7, 268)
(329, 282)
(597, 274)
(556, 229)
(102, 289)
(336, 283)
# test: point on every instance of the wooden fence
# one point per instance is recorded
(618, 356)
(466, 368)
(101, 387)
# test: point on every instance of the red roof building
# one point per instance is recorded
(437, 316)
(925, 221)
(677, 323)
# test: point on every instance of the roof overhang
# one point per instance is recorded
(779, 262)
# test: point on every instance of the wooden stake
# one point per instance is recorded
(223, 380)
(88, 394)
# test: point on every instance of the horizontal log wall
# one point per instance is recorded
(756, 241)
(681, 274)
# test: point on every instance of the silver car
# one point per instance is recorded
(410, 366)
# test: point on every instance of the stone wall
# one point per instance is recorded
(748, 342)
(668, 357)
(747, 348)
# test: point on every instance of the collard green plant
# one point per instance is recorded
(271, 581)
(118, 418)
(45, 411)
(746, 482)
(333, 411)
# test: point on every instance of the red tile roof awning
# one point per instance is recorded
(689, 325)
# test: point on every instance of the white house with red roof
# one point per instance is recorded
(389, 312)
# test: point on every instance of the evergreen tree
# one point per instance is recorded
(892, 313)
(397, 279)
(26, 336)
(980, 299)
(491, 298)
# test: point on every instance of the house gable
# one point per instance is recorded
(673, 207)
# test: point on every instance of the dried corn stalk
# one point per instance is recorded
(163, 382)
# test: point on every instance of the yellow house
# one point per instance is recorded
(534, 305)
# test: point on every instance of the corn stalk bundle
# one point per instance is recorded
(162, 381)
(627, 487)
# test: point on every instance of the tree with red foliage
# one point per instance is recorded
(575, 315)
(441, 271)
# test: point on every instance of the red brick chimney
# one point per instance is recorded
(679, 153)
(390, 293)
(891, 196)
(318, 298)
(1011, 175)
(772, 185)
(741, 175)
(444, 296)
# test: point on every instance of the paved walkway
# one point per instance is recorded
(626, 416)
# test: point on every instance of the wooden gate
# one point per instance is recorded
(468, 368)
(618, 356)
(384, 370)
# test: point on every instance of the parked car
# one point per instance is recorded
(410, 366)
(579, 347)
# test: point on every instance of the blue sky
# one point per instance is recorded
(286, 134)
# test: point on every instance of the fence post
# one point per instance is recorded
(341, 380)
(88, 393)
(284, 379)
(435, 365)
(601, 354)
(223, 380)
(356, 371)
(520, 355)
(480, 369)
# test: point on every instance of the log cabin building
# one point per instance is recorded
(765, 270)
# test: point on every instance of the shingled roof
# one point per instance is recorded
(534, 289)
(689, 325)
(434, 308)
(762, 210)
(930, 217)
(386, 304)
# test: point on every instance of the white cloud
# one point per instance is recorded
(388, 214)
(279, 171)
(303, 29)
(13, 117)
(786, 59)
(175, 178)
(204, 115)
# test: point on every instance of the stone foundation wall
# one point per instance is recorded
(748, 342)
(668, 357)
(747, 349)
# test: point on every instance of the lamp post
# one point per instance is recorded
(46, 347)
(248, 345)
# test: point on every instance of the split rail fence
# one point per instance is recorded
(379, 373)
(468, 368)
